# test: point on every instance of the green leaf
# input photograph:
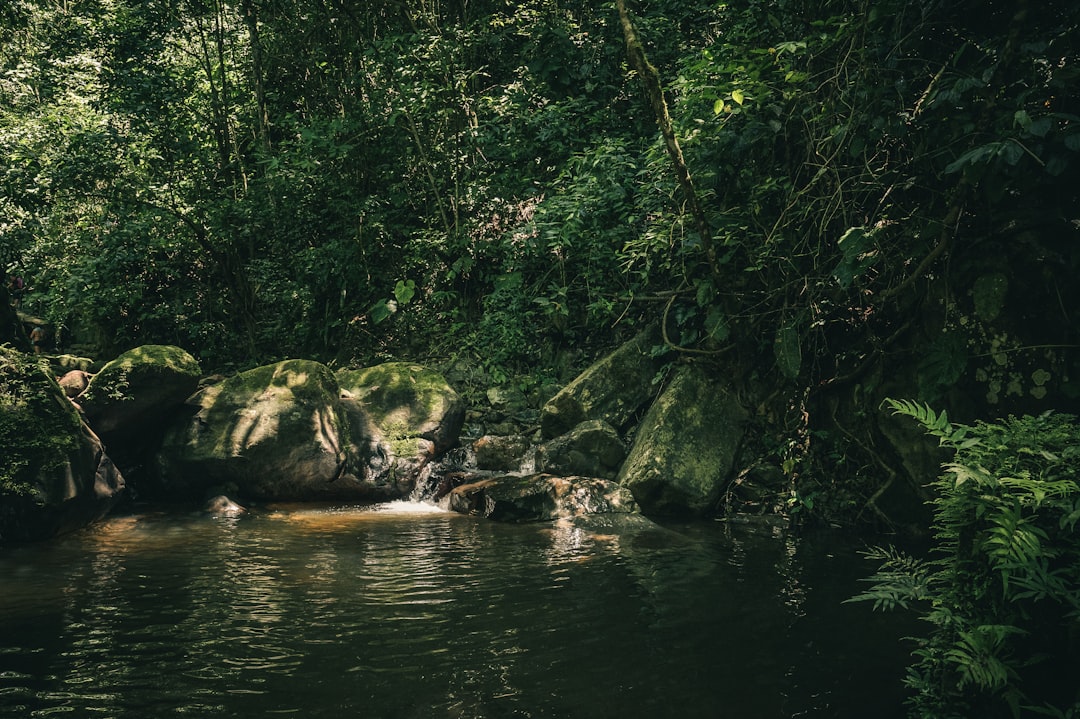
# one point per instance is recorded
(404, 291)
(788, 351)
(857, 247)
(738, 96)
(381, 310)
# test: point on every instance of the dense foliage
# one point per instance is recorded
(37, 426)
(1002, 591)
(875, 186)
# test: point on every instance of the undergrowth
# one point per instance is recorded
(1001, 587)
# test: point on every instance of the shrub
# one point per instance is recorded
(37, 424)
(1001, 589)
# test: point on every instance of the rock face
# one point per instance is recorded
(401, 415)
(683, 454)
(55, 477)
(74, 382)
(138, 389)
(275, 431)
(540, 497)
(296, 431)
(592, 449)
(613, 389)
(500, 452)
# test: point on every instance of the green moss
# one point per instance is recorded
(397, 393)
(112, 382)
(286, 391)
(38, 426)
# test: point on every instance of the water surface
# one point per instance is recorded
(407, 611)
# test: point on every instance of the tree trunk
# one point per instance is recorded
(262, 121)
(651, 80)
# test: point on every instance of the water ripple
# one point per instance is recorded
(407, 612)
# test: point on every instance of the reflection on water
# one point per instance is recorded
(409, 611)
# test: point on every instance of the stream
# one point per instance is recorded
(404, 610)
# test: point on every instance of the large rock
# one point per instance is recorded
(612, 389)
(540, 497)
(501, 452)
(401, 416)
(74, 382)
(55, 476)
(684, 451)
(134, 393)
(592, 449)
(277, 432)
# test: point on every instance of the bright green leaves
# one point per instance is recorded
(1007, 566)
(404, 291)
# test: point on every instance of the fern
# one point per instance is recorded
(1006, 508)
(935, 424)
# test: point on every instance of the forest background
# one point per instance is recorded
(876, 197)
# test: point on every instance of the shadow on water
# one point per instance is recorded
(408, 611)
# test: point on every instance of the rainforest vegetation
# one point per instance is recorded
(829, 201)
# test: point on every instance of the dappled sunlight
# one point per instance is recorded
(292, 377)
(324, 424)
(253, 425)
(337, 517)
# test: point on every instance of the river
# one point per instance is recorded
(408, 611)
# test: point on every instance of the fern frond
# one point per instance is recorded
(934, 423)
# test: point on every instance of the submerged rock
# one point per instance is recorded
(684, 451)
(222, 506)
(55, 477)
(540, 497)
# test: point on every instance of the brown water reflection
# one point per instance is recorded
(407, 611)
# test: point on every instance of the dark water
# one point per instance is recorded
(408, 613)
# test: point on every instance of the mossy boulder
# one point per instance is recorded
(401, 416)
(407, 400)
(613, 389)
(134, 394)
(277, 432)
(593, 449)
(541, 497)
(684, 451)
(55, 476)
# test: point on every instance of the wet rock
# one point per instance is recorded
(495, 452)
(540, 497)
(683, 454)
(592, 449)
(222, 506)
(401, 416)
